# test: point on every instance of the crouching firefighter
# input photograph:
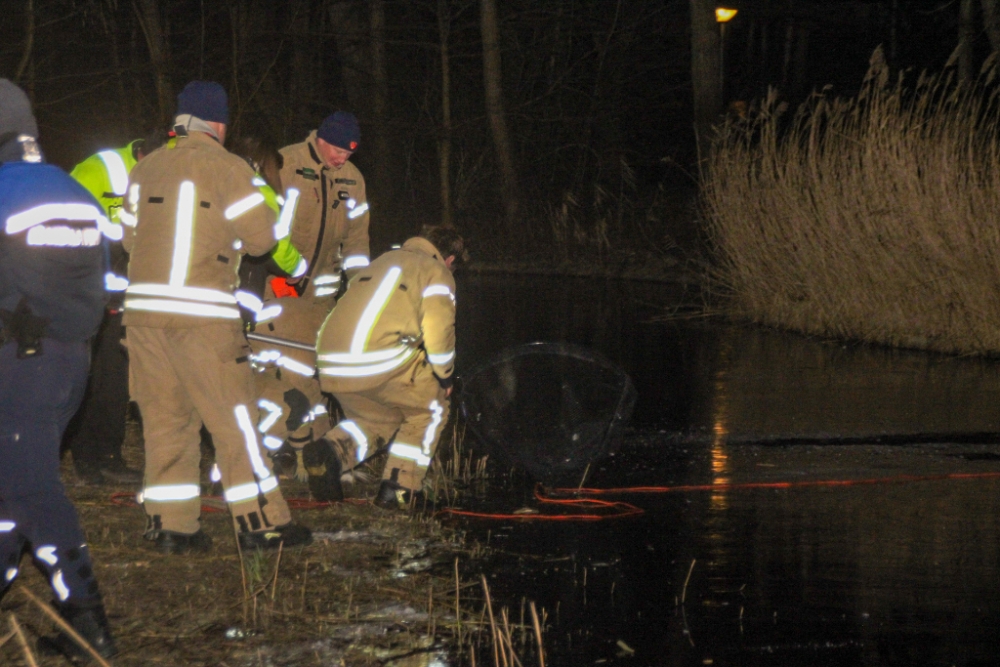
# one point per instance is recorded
(387, 354)
(191, 211)
(53, 260)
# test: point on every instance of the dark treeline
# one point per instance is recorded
(524, 123)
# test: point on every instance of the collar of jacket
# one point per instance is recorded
(313, 153)
(421, 245)
(201, 137)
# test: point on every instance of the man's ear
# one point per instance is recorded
(449, 261)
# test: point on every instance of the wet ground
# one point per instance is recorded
(813, 503)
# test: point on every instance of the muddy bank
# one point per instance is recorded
(375, 588)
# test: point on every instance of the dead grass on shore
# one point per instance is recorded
(874, 218)
(375, 588)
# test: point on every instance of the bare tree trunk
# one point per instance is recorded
(966, 35)
(29, 42)
(991, 23)
(298, 120)
(351, 34)
(380, 96)
(493, 80)
(125, 107)
(444, 145)
(148, 12)
(706, 63)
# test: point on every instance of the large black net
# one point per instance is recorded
(551, 407)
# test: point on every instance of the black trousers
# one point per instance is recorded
(37, 397)
(97, 431)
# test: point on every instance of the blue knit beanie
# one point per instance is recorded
(206, 100)
(340, 129)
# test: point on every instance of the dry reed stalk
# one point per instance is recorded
(875, 218)
(29, 657)
(499, 653)
(538, 635)
(6, 638)
(274, 586)
(65, 627)
(458, 609)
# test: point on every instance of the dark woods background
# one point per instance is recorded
(547, 127)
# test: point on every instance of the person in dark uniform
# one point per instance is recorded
(53, 260)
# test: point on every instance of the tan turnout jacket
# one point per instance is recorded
(330, 226)
(191, 211)
(398, 311)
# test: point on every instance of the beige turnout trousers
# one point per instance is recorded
(182, 377)
(410, 405)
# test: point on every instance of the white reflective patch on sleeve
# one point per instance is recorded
(355, 262)
(114, 283)
(59, 586)
(117, 172)
(258, 181)
(300, 268)
(440, 359)
(268, 484)
(268, 313)
(127, 218)
(327, 279)
(359, 211)
(47, 554)
(242, 206)
(439, 290)
(249, 301)
(272, 442)
(7, 526)
(283, 227)
(326, 291)
(111, 230)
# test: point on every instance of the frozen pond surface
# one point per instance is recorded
(860, 524)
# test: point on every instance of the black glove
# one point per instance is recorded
(26, 328)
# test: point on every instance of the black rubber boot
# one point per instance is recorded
(393, 496)
(179, 544)
(91, 623)
(323, 466)
(291, 535)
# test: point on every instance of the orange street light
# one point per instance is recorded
(724, 15)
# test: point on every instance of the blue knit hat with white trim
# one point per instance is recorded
(206, 100)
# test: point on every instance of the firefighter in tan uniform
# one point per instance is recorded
(387, 353)
(191, 210)
(330, 226)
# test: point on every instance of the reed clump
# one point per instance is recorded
(873, 218)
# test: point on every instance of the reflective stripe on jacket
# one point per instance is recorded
(195, 209)
(399, 309)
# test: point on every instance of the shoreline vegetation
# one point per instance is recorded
(376, 588)
(873, 219)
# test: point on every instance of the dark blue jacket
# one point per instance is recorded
(52, 249)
